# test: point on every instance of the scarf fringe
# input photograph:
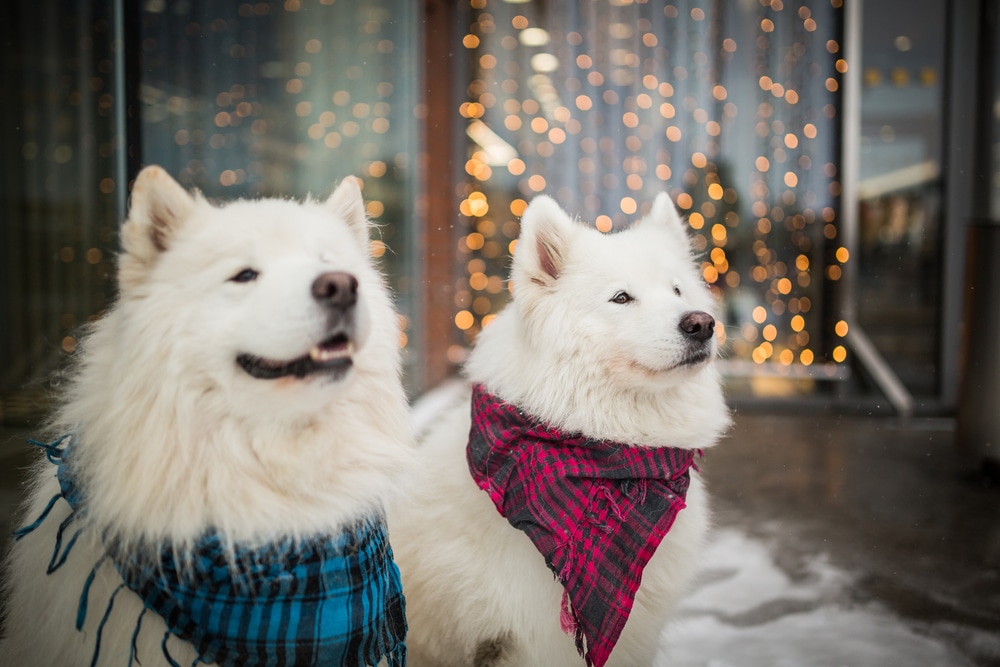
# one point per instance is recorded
(54, 453)
(570, 625)
(567, 619)
(397, 657)
(104, 620)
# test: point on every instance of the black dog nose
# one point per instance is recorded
(336, 288)
(698, 325)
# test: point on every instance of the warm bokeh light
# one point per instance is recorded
(609, 122)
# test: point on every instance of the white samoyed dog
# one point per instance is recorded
(245, 385)
(608, 337)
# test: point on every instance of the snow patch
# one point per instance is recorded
(745, 611)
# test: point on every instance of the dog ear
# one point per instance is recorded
(159, 207)
(546, 231)
(664, 214)
(347, 203)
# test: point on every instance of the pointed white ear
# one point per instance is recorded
(347, 204)
(664, 214)
(159, 208)
(546, 233)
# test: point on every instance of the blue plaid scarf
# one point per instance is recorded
(322, 601)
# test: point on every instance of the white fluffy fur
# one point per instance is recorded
(173, 438)
(478, 593)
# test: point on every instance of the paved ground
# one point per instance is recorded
(840, 541)
(845, 541)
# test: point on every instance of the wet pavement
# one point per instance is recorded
(840, 540)
(910, 529)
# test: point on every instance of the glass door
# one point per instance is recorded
(895, 147)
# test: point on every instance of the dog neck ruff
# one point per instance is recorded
(596, 510)
(326, 600)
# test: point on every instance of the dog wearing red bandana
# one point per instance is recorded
(558, 514)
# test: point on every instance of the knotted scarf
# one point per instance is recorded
(596, 510)
(327, 600)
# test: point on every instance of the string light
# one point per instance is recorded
(300, 94)
(738, 124)
(749, 168)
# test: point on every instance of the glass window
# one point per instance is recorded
(61, 189)
(286, 99)
(280, 98)
(732, 108)
(898, 287)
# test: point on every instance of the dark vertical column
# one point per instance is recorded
(132, 48)
(978, 361)
(965, 185)
(978, 428)
(439, 211)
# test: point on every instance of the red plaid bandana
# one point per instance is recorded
(596, 510)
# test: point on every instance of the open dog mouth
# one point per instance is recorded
(333, 356)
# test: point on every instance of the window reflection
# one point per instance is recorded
(60, 191)
(899, 186)
(732, 109)
(286, 98)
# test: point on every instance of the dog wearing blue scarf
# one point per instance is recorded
(228, 434)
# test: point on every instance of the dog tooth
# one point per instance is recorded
(319, 354)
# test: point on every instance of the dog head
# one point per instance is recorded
(631, 302)
(265, 299)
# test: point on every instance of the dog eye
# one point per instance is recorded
(245, 276)
(677, 290)
(622, 298)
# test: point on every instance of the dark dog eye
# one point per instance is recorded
(621, 298)
(245, 276)
(677, 290)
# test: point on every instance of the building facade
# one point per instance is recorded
(830, 156)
